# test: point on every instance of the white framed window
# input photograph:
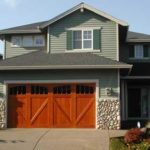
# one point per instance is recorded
(16, 41)
(138, 51)
(39, 40)
(83, 39)
(27, 41)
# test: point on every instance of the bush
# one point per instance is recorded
(133, 136)
(117, 144)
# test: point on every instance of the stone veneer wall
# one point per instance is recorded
(108, 113)
(2, 113)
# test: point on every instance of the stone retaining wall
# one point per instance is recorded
(108, 114)
(2, 113)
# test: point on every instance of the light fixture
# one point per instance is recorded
(82, 10)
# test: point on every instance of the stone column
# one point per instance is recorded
(108, 113)
(2, 113)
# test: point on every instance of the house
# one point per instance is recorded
(81, 69)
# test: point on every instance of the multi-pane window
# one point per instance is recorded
(82, 39)
(87, 39)
(77, 39)
(28, 41)
(139, 51)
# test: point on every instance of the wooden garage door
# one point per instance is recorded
(51, 105)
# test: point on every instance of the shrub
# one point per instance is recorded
(117, 144)
(133, 136)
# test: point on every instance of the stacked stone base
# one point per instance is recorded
(2, 114)
(108, 114)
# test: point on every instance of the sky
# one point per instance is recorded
(19, 12)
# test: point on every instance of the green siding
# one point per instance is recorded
(15, 51)
(107, 78)
(58, 32)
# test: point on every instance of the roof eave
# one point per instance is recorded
(19, 32)
(66, 67)
(138, 40)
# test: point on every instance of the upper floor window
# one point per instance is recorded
(28, 41)
(82, 39)
(139, 51)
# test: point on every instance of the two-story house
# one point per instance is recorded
(74, 71)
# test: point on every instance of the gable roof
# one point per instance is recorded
(43, 60)
(137, 37)
(88, 7)
(37, 27)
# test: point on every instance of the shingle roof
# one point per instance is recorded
(137, 37)
(43, 60)
(29, 28)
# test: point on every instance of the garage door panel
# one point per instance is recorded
(18, 118)
(39, 112)
(85, 112)
(62, 111)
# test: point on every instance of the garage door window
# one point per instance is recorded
(62, 89)
(35, 89)
(18, 90)
(82, 89)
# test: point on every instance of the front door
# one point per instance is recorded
(139, 102)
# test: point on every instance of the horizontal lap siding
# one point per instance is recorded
(107, 78)
(87, 19)
(16, 51)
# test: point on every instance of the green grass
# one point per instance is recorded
(117, 144)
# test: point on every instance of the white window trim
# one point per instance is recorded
(33, 37)
(82, 40)
(83, 50)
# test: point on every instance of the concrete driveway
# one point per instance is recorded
(56, 139)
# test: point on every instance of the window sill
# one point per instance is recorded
(146, 58)
(81, 51)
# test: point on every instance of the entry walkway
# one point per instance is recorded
(56, 139)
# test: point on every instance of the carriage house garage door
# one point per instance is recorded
(51, 105)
